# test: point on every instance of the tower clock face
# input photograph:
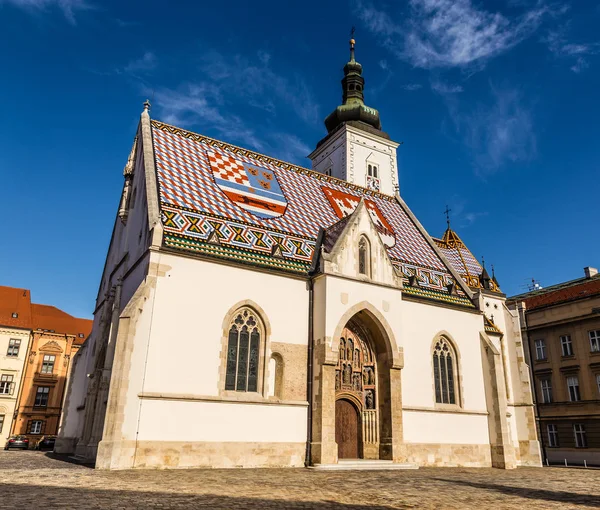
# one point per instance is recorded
(372, 183)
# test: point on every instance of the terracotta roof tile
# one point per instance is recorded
(15, 301)
(578, 290)
(50, 318)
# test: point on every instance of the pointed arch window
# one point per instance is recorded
(444, 372)
(243, 351)
(364, 256)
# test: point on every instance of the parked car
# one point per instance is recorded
(46, 443)
(17, 442)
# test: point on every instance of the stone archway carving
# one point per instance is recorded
(385, 376)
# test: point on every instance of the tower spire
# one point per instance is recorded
(353, 99)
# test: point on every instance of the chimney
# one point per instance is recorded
(590, 271)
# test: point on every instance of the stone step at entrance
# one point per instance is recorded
(364, 465)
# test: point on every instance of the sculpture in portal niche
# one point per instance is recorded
(356, 382)
(348, 374)
(338, 382)
(350, 349)
(342, 349)
(356, 357)
(369, 399)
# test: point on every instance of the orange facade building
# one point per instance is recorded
(55, 338)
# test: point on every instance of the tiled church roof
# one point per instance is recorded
(211, 203)
(461, 258)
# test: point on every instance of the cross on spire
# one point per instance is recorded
(447, 213)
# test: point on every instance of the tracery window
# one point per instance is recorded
(364, 262)
(444, 372)
(243, 351)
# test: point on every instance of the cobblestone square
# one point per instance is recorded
(41, 480)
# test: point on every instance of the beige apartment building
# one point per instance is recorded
(15, 334)
(561, 325)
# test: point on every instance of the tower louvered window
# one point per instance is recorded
(444, 372)
(243, 351)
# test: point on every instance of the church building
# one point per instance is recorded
(253, 313)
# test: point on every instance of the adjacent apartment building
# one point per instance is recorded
(561, 325)
(37, 343)
(15, 336)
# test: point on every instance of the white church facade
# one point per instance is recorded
(253, 313)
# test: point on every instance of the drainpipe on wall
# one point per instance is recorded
(309, 382)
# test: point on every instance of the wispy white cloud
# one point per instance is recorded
(261, 85)
(445, 89)
(68, 7)
(461, 215)
(499, 134)
(576, 53)
(411, 87)
(448, 33)
(147, 62)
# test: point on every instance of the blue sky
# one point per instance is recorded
(496, 103)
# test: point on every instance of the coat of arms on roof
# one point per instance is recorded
(344, 204)
(253, 188)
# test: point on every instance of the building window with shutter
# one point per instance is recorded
(552, 435)
(14, 344)
(246, 332)
(41, 396)
(546, 391)
(573, 387)
(540, 350)
(445, 373)
(6, 384)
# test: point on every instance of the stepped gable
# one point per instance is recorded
(224, 201)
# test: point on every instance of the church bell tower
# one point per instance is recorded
(355, 148)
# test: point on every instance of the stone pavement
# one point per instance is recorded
(32, 480)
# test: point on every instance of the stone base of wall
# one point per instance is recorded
(530, 454)
(65, 445)
(181, 455)
(448, 455)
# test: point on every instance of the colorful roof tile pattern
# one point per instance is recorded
(461, 258)
(221, 200)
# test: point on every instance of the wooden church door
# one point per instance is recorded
(346, 429)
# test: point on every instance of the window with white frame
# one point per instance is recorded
(48, 364)
(595, 340)
(36, 426)
(373, 170)
(41, 396)
(566, 345)
(327, 171)
(444, 372)
(573, 386)
(1, 422)
(364, 256)
(552, 435)
(580, 437)
(13, 347)
(598, 382)
(546, 391)
(540, 349)
(6, 384)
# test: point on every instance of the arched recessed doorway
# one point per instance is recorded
(356, 415)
